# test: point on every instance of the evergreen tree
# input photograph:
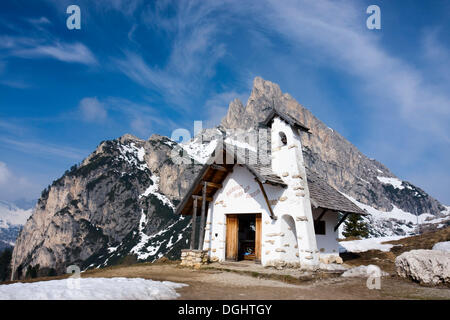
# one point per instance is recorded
(355, 226)
(5, 260)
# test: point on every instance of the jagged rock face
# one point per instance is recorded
(113, 199)
(331, 155)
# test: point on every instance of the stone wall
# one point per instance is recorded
(194, 258)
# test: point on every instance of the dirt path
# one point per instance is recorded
(217, 285)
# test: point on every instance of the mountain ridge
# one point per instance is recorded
(119, 201)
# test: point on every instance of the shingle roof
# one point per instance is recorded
(286, 117)
(325, 196)
(322, 195)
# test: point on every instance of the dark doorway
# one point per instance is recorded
(246, 237)
(243, 237)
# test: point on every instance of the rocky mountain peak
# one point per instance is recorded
(127, 137)
(332, 156)
(264, 89)
(119, 201)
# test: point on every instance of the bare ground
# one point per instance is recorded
(208, 284)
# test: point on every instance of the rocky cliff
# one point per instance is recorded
(107, 207)
(119, 201)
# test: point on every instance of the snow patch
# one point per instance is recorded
(199, 151)
(92, 289)
(401, 220)
(153, 189)
(368, 244)
(11, 215)
(240, 144)
(133, 155)
(396, 183)
(443, 246)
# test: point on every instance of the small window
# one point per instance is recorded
(319, 227)
(283, 138)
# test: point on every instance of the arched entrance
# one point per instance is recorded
(289, 242)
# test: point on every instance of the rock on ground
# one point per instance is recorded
(430, 267)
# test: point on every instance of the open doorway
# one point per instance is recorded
(243, 237)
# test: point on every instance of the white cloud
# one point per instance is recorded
(92, 110)
(72, 53)
(137, 117)
(5, 174)
(37, 22)
(13, 186)
(38, 48)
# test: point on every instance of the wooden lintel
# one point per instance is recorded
(200, 198)
(214, 185)
(340, 221)
(272, 215)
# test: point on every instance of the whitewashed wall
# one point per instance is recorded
(327, 244)
(289, 239)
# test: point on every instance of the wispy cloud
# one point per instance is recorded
(43, 149)
(66, 52)
(38, 22)
(140, 118)
(38, 48)
(18, 84)
(335, 31)
(194, 50)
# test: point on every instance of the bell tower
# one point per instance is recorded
(288, 163)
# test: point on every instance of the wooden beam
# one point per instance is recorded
(340, 221)
(219, 168)
(321, 215)
(272, 215)
(194, 224)
(200, 198)
(214, 185)
(202, 220)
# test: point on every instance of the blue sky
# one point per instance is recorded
(146, 67)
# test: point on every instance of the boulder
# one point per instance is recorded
(431, 267)
(443, 246)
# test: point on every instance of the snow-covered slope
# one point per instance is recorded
(11, 215)
(398, 222)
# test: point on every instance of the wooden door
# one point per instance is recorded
(232, 237)
(258, 227)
